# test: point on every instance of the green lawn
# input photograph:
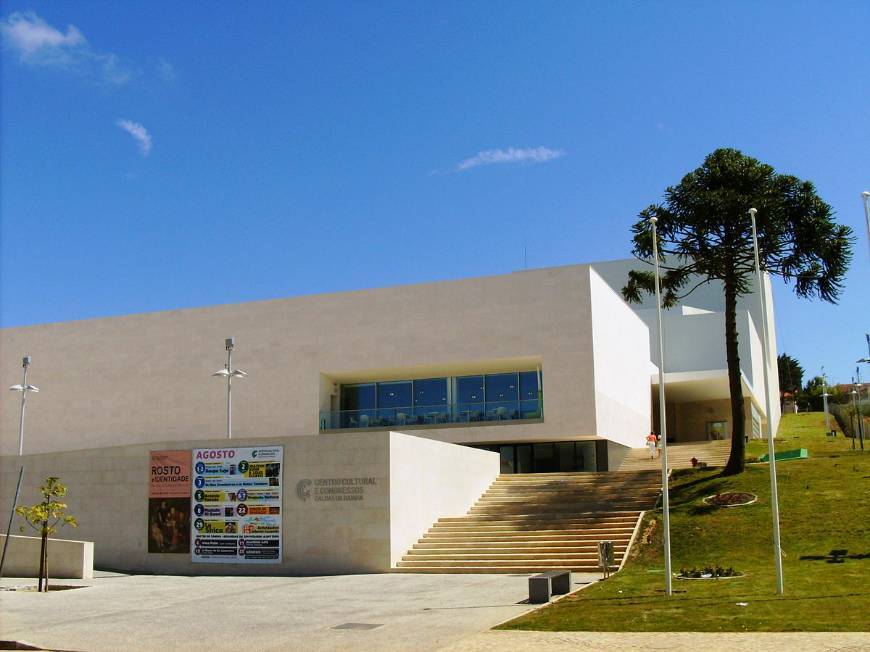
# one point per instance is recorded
(824, 506)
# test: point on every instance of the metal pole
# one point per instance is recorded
(854, 412)
(23, 403)
(860, 416)
(11, 514)
(229, 393)
(825, 402)
(25, 362)
(663, 432)
(774, 494)
(866, 196)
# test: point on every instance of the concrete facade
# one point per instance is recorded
(142, 378)
(67, 559)
(109, 497)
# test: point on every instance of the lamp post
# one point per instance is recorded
(23, 388)
(853, 421)
(866, 197)
(229, 373)
(825, 401)
(858, 403)
(663, 433)
(765, 347)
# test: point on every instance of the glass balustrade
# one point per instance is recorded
(432, 415)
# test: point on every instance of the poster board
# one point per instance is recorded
(236, 505)
(169, 502)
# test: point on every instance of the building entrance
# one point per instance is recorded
(550, 457)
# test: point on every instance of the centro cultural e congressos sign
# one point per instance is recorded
(236, 505)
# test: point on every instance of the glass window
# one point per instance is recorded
(394, 394)
(469, 389)
(545, 461)
(506, 453)
(565, 456)
(586, 456)
(528, 385)
(524, 458)
(430, 391)
(358, 397)
(501, 387)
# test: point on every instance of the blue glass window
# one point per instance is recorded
(358, 397)
(430, 391)
(469, 389)
(394, 394)
(528, 385)
(501, 387)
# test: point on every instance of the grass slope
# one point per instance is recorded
(824, 506)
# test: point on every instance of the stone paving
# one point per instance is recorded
(500, 641)
(352, 612)
(372, 612)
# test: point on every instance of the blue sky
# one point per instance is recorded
(159, 155)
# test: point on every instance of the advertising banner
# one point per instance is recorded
(169, 502)
(236, 504)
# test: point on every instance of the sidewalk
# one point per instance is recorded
(501, 641)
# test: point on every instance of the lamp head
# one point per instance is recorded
(866, 194)
(25, 362)
(230, 342)
(752, 211)
(653, 220)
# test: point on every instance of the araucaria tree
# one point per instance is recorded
(705, 236)
(47, 517)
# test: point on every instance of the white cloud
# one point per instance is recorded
(528, 155)
(165, 69)
(40, 44)
(139, 133)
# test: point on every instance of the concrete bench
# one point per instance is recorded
(545, 585)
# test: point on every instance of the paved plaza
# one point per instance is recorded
(373, 612)
(350, 612)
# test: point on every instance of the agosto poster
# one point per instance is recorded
(236, 505)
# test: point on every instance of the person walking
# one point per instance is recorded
(651, 443)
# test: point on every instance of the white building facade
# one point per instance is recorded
(550, 368)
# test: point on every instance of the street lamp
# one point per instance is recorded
(663, 433)
(229, 373)
(858, 403)
(23, 388)
(825, 401)
(765, 347)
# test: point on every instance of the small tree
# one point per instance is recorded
(47, 518)
(704, 236)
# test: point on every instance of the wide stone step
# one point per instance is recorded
(506, 557)
(500, 570)
(529, 521)
(506, 533)
(547, 548)
(525, 509)
(502, 563)
(512, 539)
(540, 518)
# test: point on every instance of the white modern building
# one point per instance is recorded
(358, 400)
(549, 367)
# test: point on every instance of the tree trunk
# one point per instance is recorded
(42, 554)
(46, 564)
(735, 386)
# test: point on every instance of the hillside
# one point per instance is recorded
(824, 507)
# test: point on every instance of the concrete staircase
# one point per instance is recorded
(714, 453)
(531, 522)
